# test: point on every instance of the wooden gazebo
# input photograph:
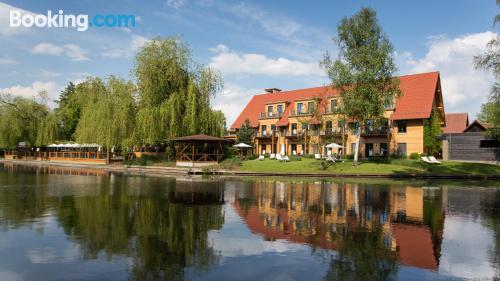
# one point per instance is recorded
(198, 150)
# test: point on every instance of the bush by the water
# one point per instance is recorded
(230, 163)
(414, 156)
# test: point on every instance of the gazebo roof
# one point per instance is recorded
(200, 137)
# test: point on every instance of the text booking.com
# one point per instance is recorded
(80, 22)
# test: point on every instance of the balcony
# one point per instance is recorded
(374, 131)
(331, 132)
(270, 115)
(265, 134)
(329, 110)
(294, 113)
(294, 134)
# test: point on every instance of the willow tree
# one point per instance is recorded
(20, 120)
(174, 93)
(364, 70)
(490, 60)
(108, 116)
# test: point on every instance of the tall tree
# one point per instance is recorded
(108, 117)
(68, 111)
(20, 120)
(432, 129)
(245, 133)
(490, 60)
(364, 70)
(174, 93)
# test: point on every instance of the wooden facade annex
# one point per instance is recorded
(198, 150)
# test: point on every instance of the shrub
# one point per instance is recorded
(414, 156)
(295, 158)
(230, 163)
(323, 165)
(379, 159)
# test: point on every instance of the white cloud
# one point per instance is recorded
(271, 22)
(72, 51)
(464, 87)
(230, 62)
(136, 43)
(176, 4)
(47, 49)
(7, 61)
(232, 99)
(75, 52)
(5, 28)
(51, 87)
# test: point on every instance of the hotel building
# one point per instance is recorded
(304, 121)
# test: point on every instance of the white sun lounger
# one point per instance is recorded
(426, 160)
(286, 159)
(279, 158)
(434, 160)
(261, 158)
(317, 156)
(272, 156)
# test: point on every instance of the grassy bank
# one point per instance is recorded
(398, 166)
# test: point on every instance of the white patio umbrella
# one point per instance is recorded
(334, 145)
(242, 146)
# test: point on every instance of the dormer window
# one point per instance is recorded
(389, 104)
(280, 108)
(310, 107)
(333, 105)
(299, 107)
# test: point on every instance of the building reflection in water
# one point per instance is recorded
(323, 214)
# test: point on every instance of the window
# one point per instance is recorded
(383, 149)
(489, 143)
(270, 110)
(294, 128)
(402, 149)
(299, 107)
(263, 130)
(280, 109)
(333, 105)
(273, 128)
(263, 149)
(329, 126)
(402, 126)
(370, 126)
(389, 104)
(310, 107)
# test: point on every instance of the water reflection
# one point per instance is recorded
(115, 227)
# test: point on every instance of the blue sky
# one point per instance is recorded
(255, 45)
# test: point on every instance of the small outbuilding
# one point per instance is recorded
(198, 150)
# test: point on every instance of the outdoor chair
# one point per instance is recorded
(261, 158)
(279, 158)
(330, 159)
(286, 159)
(294, 152)
(272, 156)
(317, 156)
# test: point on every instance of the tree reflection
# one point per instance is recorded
(162, 225)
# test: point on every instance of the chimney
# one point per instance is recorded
(273, 90)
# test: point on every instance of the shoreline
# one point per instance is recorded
(181, 171)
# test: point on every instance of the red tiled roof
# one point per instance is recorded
(456, 122)
(415, 102)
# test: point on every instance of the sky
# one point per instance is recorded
(254, 44)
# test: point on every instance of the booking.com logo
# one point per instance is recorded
(60, 20)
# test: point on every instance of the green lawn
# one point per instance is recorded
(396, 166)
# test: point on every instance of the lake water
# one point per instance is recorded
(67, 224)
